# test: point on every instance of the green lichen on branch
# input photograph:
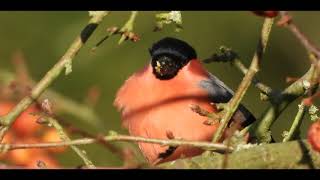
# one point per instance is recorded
(172, 17)
(295, 127)
(260, 130)
(289, 155)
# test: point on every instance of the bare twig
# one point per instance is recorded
(125, 32)
(128, 27)
(111, 138)
(242, 89)
(228, 55)
(52, 74)
(266, 90)
(50, 121)
(64, 137)
(287, 21)
(100, 139)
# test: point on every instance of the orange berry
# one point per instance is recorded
(5, 107)
(314, 135)
(52, 136)
(21, 157)
(25, 124)
(49, 162)
(8, 138)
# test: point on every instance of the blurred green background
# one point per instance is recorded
(43, 37)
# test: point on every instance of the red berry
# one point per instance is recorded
(269, 14)
(314, 135)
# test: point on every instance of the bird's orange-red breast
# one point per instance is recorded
(155, 101)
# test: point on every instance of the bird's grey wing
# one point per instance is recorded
(220, 93)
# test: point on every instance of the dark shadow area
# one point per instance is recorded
(306, 158)
(87, 31)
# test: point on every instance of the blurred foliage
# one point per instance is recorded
(44, 36)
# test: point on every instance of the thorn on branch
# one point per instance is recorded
(291, 79)
(285, 19)
(42, 121)
(197, 109)
(212, 117)
(41, 164)
(169, 135)
(125, 35)
(46, 106)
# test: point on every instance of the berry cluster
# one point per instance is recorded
(26, 130)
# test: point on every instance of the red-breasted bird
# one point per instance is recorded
(155, 101)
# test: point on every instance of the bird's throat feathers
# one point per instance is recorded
(144, 91)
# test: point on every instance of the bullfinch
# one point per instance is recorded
(155, 101)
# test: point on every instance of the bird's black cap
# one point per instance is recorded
(173, 46)
(169, 55)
